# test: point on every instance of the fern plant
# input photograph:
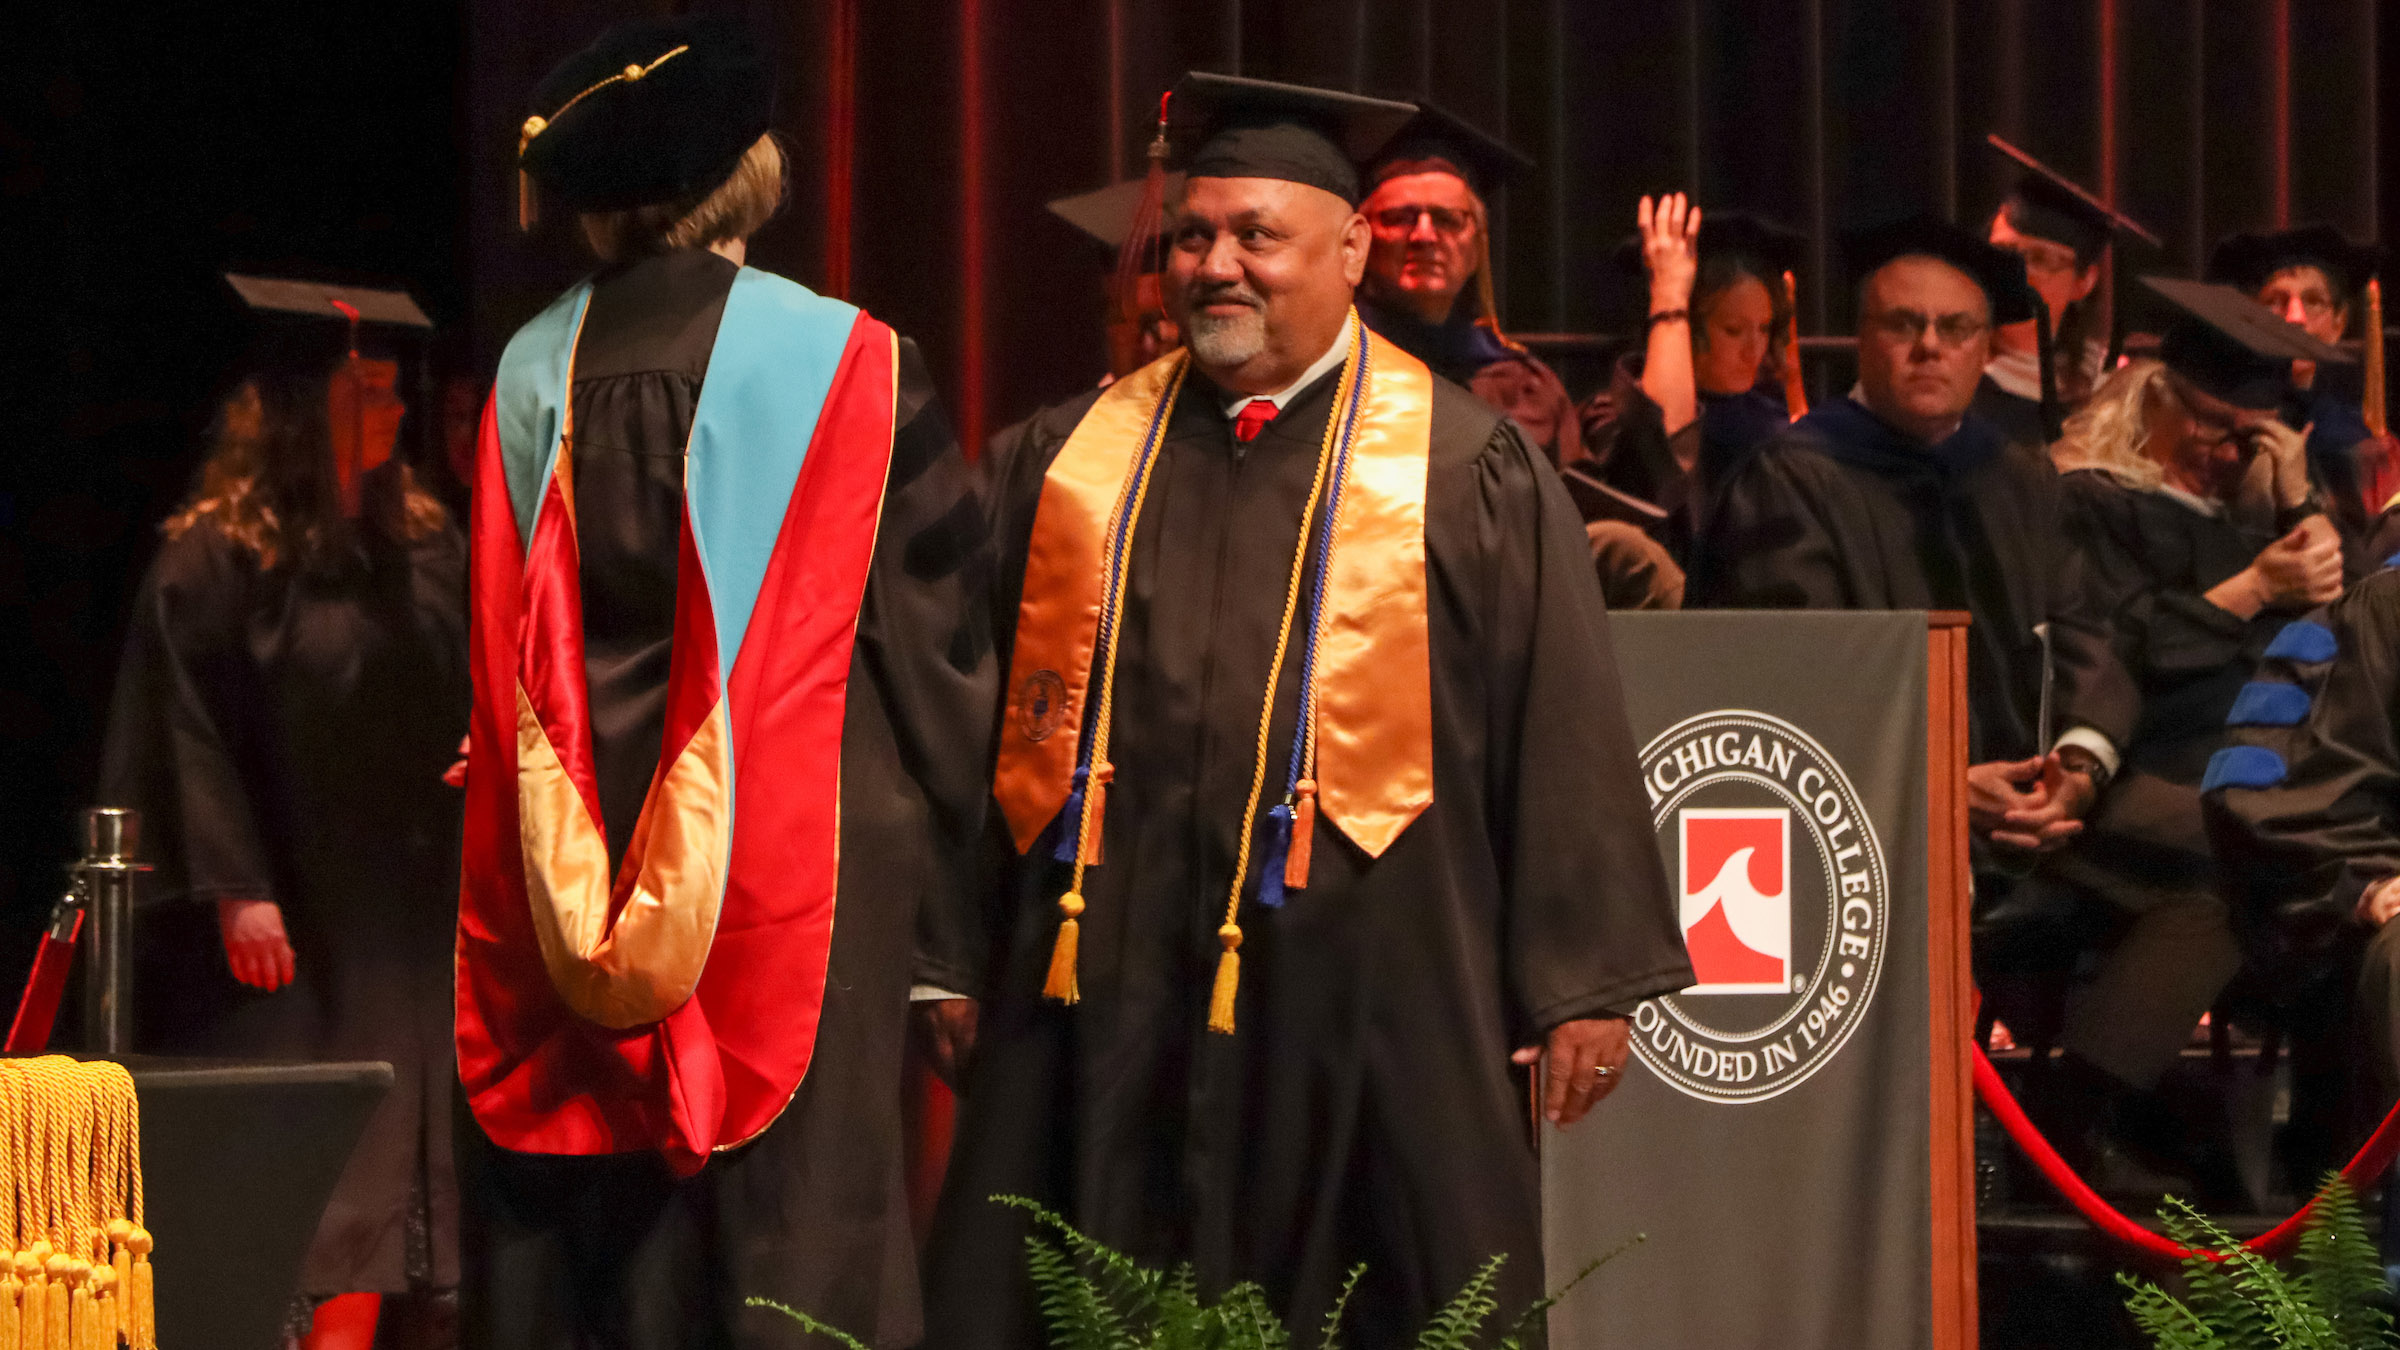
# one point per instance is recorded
(1094, 1297)
(2333, 1299)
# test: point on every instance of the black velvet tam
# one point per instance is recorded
(1999, 272)
(2232, 346)
(655, 110)
(1226, 126)
(2251, 260)
(1440, 141)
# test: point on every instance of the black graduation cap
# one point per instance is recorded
(1108, 214)
(1770, 248)
(355, 304)
(1999, 272)
(1437, 140)
(2251, 260)
(655, 110)
(2232, 346)
(1228, 126)
(2049, 205)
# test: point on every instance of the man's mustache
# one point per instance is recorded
(1221, 292)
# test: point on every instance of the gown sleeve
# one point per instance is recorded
(2301, 800)
(925, 636)
(1588, 926)
(2095, 689)
(177, 726)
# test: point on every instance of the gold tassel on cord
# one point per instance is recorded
(1061, 987)
(58, 1302)
(141, 1305)
(35, 1321)
(1095, 796)
(1229, 979)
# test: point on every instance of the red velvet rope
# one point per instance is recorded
(2372, 1160)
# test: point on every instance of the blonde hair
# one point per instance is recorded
(735, 209)
(2110, 432)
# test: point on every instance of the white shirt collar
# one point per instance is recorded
(1334, 356)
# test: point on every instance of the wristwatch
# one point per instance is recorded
(2076, 759)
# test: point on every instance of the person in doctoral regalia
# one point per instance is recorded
(1707, 389)
(2044, 366)
(1901, 497)
(2152, 477)
(293, 689)
(733, 684)
(1293, 875)
(2314, 278)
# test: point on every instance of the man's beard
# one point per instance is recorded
(1222, 340)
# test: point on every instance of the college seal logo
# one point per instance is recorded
(1784, 898)
(1041, 703)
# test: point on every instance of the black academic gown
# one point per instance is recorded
(569, 1252)
(1639, 458)
(1366, 1109)
(1843, 512)
(284, 736)
(1455, 348)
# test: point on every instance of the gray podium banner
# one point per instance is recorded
(1772, 1138)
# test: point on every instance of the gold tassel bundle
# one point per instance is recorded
(76, 1272)
(2372, 410)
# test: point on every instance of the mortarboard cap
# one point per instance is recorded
(2233, 347)
(2251, 260)
(2047, 204)
(357, 304)
(1999, 272)
(1439, 141)
(655, 110)
(1770, 249)
(1108, 214)
(1227, 126)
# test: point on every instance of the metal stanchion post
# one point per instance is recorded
(111, 846)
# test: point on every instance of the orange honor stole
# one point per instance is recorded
(1362, 754)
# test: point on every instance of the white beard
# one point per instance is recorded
(1225, 342)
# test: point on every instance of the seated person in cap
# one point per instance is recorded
(1708, 389)
(1276, 918)
(2152, 472)
(1428, 285)
(2064, 235)
(752, 569)
(1899, 497)
(2313, 278)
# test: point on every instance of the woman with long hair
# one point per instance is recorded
(2152, 483)
(1705, 390)
(293, 688)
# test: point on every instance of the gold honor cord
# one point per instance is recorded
(77, 1274)
(537, 124)
(1229, 936)
(1062, 985)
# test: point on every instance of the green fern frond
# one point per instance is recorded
(808, 1323)
(2240, 1300)
(1532, 1317)
(1341, 1305)
(1456, 1325)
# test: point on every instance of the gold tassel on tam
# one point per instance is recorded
(1229, 980)
(1062, 987)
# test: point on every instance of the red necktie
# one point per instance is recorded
(1254, 415)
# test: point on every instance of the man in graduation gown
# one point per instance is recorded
(1900, 497)
(1260, 975)
(2314, 278)
(732, 679)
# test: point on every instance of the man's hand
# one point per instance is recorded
(2033, 804)
(1570, 1087)
(945, 1030)
(256, 947)
(2379, 902)
(2301, 570)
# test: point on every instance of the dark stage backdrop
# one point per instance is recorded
(146, 145)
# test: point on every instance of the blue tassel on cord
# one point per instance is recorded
(1279, 848)
(1069, 826)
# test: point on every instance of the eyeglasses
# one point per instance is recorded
(2208, 428)
(1403, 219)
(2315, 304)
(2041, 257)
(1907, 327)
